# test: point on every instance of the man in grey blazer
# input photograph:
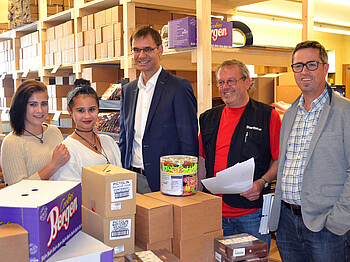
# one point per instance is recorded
(311, 211)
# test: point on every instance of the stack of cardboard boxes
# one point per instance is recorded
(101, 35)
(6, 56)
(102, 77)
(58, 96)
(6, 92)
(109, 206)
(59, 45)
(30, 52)
(196, 222)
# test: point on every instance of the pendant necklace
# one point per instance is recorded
(103, 153)
(40, 138)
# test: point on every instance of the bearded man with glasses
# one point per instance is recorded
(240, 129)
(158, 114)
(311, 210)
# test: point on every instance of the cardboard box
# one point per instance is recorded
(188, 215)
(154, 219)
(59, 90)
(102, 17)
(183, 32)
(189, 249)
(152, 255)
(110, 49)
(116, 232)
(49, 210)
(90, 22)
(208, 244)
(59, 31)
(83, 248)
(240, 247)
(98, 35)
(141, 16)
(100, 87)
(287, 94)
(212, 210)
(101, 74)
(107, 33)
(117, 14)
(164, 244)
(109, 190)
(118, 30)
(84, 23)
(14, 244)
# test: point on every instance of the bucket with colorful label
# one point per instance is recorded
(178, 175)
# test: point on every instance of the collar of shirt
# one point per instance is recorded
(151, 83)
(317, 104)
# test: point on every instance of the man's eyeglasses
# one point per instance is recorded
(311, 66)
(229, 82)
(146, 50)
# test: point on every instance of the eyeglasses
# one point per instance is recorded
(311, 66)
(146, 50)
(230, 82)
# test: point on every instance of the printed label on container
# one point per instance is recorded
(171, 184)
(120, 229)
(148, 256)
(238, 252)
(119, 249)
(116, 206)
(217, 256)
(121, 190)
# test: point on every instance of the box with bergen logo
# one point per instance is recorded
(109, 190)
(183, 32)
(240, 247)
(49, 210)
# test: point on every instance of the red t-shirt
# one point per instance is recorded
(228, 122)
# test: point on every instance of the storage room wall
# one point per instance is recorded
(285, 36)
(3, 11)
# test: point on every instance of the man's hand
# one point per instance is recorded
(254, 193)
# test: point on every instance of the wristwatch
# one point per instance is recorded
(266, 184)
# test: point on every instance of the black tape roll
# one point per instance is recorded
(244, 30)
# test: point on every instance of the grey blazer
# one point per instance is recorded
(325, 196)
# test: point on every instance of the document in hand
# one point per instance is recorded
(266, 211)
(233, 180)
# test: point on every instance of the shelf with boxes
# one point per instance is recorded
(57, 34)
(99, 34)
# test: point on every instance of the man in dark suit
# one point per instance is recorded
(158, 113)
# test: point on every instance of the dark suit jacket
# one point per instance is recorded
(171, 127)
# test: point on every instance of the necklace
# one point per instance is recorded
(40, 138)
(103, 153)
(87, 141)
(84, 131)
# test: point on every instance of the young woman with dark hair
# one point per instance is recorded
(87, 148)
(33, 150)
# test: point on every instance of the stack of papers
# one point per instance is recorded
(266, 211)
(233, 180)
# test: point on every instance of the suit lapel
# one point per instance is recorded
(318, 129)
(134, 93)
(158, 90)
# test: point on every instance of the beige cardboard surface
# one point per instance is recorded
(188, 215)
(189, 250)
(154, 219)
(14, 244)
(212, 208)
(109, 190)
(116, 232)
(167, 244)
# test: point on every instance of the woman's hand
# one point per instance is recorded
(60, 156)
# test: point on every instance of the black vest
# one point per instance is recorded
(251, 138)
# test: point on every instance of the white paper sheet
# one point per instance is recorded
(233, 180)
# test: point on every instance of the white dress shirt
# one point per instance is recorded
(143, 104)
